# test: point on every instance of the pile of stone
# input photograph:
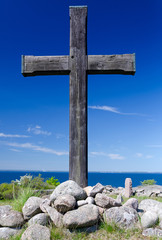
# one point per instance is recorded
(72, 207)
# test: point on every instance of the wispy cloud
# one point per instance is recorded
(12, 135)
(139, 155)
(35, 148)
(37, 130)
(155, 146)
(112, 156)
(14, 150)
(114, 110)
(149, 156)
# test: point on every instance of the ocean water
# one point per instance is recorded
(113, 179)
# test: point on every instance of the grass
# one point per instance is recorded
(23, 196)
(18, 202)
(104, 232)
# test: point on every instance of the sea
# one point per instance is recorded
(115, 179)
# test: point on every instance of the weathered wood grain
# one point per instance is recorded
(111, 64)
(45, 65)
(78, 96)
(78, 65)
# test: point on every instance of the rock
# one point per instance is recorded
(31, 207)
(128, 188)
(55, 216)
(149, 219)
(84, 216)
(98, 188)
(87, 190)
(101, 210)
(64, 203)
(91, 229)
(41, 218)
(160, 224)
(132, 202)
(10, 218)
(6, 232)
(150, 205)
(90, 200)
(123, 216)
(160, 215)
(81, 203)
(104, 201)
(152, 232)
(119, 199)
(149, 190)
(36, 232)
(44, 203)
(69, 187)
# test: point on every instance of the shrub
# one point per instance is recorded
(148, 182)
(8, 190)
(53, 181)
(23, 195)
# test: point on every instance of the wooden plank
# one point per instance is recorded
(78, 167)
(45, 65)
(111, 64)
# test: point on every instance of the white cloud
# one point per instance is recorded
(149, 156)
(114, 110)
(14, 150)
(35, 148)
(38, 131)
(139, 155)
(155, 146)
(12, 135)
(112, 156)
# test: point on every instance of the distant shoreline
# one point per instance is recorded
(17, 170)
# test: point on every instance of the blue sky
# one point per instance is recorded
(124, 114)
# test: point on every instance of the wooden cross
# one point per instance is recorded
(78, 65)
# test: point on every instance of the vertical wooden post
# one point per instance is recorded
(78, 167)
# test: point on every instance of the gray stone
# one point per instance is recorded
(149, 190)
(81, 203)
(128, 188)
(149, 219)
(152, 232)
(84, 216)
(160, 215)
(44, 203)
(64, 203)
(10, 218)
(55, 216)
(36, 232)
(31, 207)
(104, 201)
(6, 232)
(90, 229)
(150, 205)
(90, 200)
(160, 224)
(98, 188)
(132, 202)
(87, 189)
(69, 187)
(123, 216)
(119, 199)
(41, 218)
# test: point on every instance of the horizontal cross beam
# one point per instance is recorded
(60, 65)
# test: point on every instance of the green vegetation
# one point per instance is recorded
(26, 183)
(148, 182)
(53, 181)
(22, 197)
